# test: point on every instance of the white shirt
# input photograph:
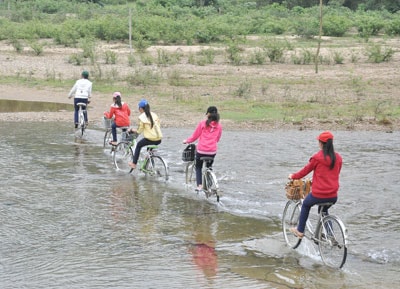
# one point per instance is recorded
(81, 89)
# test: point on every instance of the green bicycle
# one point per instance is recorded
(150, 163)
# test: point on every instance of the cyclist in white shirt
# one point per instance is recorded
(82, 92)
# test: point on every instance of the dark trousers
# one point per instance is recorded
(199, 166)
(143, 142)
(76, 100)
(114, 131)
(308, 202)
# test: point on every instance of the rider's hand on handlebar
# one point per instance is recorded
(290, 176)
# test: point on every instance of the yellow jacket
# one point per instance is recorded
(150, 133)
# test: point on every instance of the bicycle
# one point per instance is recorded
(150, 163)
(329, 234)
(81, 117)
(108, 133)
(209, 179)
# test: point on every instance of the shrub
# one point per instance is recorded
(334, 25)
(110, 57)
(275, 50)
(377, 54)
(37, 47)
(393, 27)
(17, 45)
(306, 27)
(368, 25)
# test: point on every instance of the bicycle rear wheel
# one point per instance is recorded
(156, 167)
(210, 184)
(290, 218)
(122, 155)
(332, 242)
(81, 124)
(189, 172)
(107, 138)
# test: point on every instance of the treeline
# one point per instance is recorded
(186, 21)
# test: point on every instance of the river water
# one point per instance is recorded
(69, 220)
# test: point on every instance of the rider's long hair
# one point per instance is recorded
(148, 114)
(118, 101)
(212, 116)
(328, 150)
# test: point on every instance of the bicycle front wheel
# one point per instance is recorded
(156, 167)
(107, 138)
(210, 184)
(122, 155)
(290, 218)
(189, 172)
(332, 242)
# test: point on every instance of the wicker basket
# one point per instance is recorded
(298, 189)
(188, 153)
(107, 122)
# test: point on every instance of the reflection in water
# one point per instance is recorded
(203, 247)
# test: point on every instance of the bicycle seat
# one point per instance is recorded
(206, 159)
(81, 104)
(152, 147)
(327, 204)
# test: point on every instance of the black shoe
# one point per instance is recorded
(76, 125)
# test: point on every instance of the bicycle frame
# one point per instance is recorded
(209, 180)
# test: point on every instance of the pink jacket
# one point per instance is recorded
(208, 137)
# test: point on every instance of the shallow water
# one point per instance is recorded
(7, 105)
(69, 220)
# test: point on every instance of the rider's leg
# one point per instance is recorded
(143, 142)
(199, 167)
(308, 202)
(114, 131)
(76, 107)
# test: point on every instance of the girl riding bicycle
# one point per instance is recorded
(121, 113)
(149, 124)
(326, 165)
(209, 133)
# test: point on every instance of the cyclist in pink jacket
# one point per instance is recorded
(208, 132)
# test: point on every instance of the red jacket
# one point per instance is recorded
(121, 114)
(325, 181)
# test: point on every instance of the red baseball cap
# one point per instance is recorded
(324, 136)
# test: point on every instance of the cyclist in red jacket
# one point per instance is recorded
(121, 113)
(326, 165)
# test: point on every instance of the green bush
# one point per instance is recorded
(334, 25)
(275, 49)
(393, 27)
(377, 54)
(306, 27)
(369, 24)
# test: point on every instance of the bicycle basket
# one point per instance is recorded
(297, 189)
(129, 136)
(107, 122)
(188, 153)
